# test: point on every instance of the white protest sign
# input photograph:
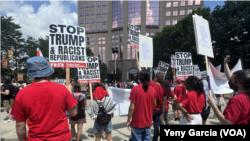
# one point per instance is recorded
(60, 81)
(173, 61)
(202, 36)
(67, 46)
(184, 65)
(163, 68)
(197, 72)
(91, 74)
(204, 74)
(146, 51)
(134, 32)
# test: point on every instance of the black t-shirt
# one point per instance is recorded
(6, 87)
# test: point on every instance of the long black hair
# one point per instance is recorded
(192, 82)
(144, 77)
(243, 76)
(166, 84)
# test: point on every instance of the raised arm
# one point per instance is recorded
(226, 68)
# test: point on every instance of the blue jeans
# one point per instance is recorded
(140, 134)
(156, 120)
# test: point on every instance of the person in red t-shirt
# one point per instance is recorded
(169, 97)
(143, 99)
(237, 111)
(44, 103)
(192, 103)
(178, 91)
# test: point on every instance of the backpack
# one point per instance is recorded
(103, 117)
(80, 109)
(13, 90)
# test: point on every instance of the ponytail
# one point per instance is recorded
(166, 84)
(144, 77)
(194, 83)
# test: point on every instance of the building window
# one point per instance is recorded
(92, 12)
(190, 2)
(92, 43)
(117, 17)
(116, 36)
(152, 34)
(92, 49)
(81, 21)
(103, 38)
(134, 12)
(88, 38)
(99, 38)
(175, 4)
(168, 13)
(182, 12)
(104, 19)
(98, 11)
(87, 28)
(152, 12)
(128, 51)
(100, 42)
(86, 13)
(98, 3)
(197, 2)
(92, 4)
(183, 3)
(100, 53)
(121, 40)
(104, 27)
(92, 38)
(175, 13)
(87, 20)
(87, 43)
(189, 11)
(147, 34)
(116, 40)
(103, 54)
(98, 27)
(81, 5)
(104, 11)
(92, 28)
(103, 42)
(81, 13)
(104, 3)
(98, 20)
(113, 41)
(113, 36)
(168, 4)
(167, 22)
(92, 20)
(121, 35)
(174, 22)
(121, 52)
(86, 4)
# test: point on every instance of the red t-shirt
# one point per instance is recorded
(192, 102)
(183, 89)
(178, 91)
(238, 110)
(168, 97)
(45, 105)
(143, 112)
(161, 92)
(99, 93)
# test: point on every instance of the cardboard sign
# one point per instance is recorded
(134, 32)
(204, 74)
(197, 72)
(91, 74)
(146, 51)
(184, 65)
(173, 61)
(202, 36)
(163, 68)
(20, 77)
(60, 81)
(67, 46)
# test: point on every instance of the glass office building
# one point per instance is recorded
(106, 26)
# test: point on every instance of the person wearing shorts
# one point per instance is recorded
(8, 101)
(178, 92)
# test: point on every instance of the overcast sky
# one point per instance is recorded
(35, 16)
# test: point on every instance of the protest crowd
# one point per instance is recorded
(149, 102)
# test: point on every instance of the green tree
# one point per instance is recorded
(103, 71)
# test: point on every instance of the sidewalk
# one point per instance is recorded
(120, 132)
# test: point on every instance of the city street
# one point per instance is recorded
(120, 132)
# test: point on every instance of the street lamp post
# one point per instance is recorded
(115, 50)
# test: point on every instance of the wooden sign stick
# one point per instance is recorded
(208, 80)
(68, 77)
(90, 92)
(136, 54)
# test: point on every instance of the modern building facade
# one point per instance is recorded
(106, 27)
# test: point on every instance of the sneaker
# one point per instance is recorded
(9, 120)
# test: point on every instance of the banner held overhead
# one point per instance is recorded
(134, 32)
(173, 61)
(146, 51)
